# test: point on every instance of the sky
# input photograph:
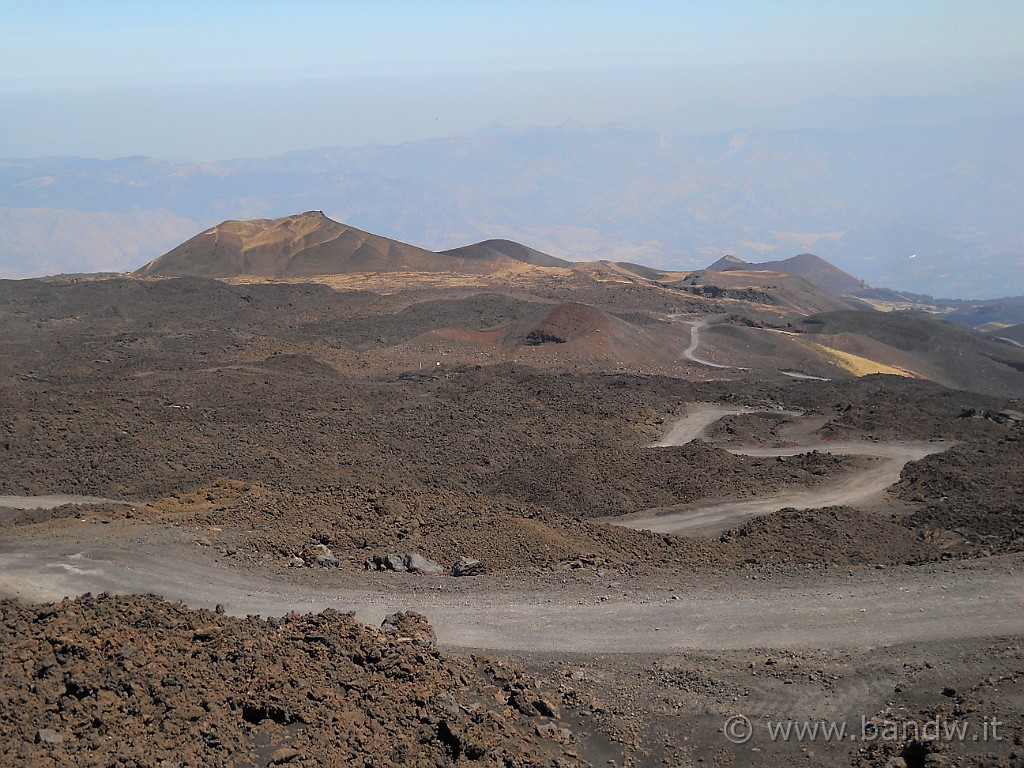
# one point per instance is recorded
(211, 80)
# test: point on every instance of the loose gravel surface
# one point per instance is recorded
(281, 444)
(138, 681)
(582, 609)
(864, 486)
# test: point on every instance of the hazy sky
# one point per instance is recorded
(209, 80)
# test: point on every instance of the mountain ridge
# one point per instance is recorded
(310, 244)
(812, 268)
(932, 210)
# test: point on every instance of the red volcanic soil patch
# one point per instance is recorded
(560, 324)
(578, 331)
(492, 336)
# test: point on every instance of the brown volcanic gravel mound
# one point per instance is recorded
(136, 681)
(835, 535)
(976, 489)
(253, 525)
(892, 408)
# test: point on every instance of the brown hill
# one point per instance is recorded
(728, 262)
(761, 293)
(766, 350)
(806, 265)
(310, 244)
(929, 347)
(579, 332)
(1014, 334)
(845, 343)
(990, 314)
(642, 270)
(495, 249)
(560, 324)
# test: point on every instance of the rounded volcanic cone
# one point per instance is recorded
(294, 246)
(572, 331)
(585, 331)
(310, 244)
(728, 262)
(508, 249)
(559, 324)
(811, 268)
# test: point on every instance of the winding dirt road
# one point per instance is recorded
(55, 500)
(583, 613)
(895, 605)
(690, 353)
(698, 418)
(804, 376)
(865, 486)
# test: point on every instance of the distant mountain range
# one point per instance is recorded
(928, 207)
(310, 245)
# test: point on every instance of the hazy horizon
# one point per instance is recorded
(883, 137)
(193, 82)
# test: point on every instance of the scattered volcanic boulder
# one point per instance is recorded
(467, 566)
(411, 563)
(139, 681)
(415, 563)
(319, 554)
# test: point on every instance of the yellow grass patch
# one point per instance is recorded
(884, 305)
(511, 274)
(861, 366)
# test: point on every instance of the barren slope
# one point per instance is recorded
(496, 249)
(262, 422)
(310, 244)
(931, 348)
(763, 295)
(806, 265)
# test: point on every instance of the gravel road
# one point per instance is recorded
(860, 487)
